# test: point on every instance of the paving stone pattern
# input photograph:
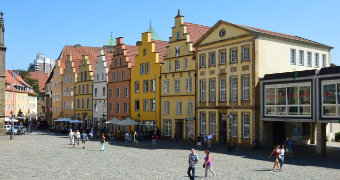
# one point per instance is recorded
(46, 156)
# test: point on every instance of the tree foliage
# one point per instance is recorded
(26, 76)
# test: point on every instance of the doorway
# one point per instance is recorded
(279, 132)
(179, 129)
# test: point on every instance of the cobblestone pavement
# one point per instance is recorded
(50, 157)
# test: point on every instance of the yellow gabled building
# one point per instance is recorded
(57, 91)
(145, 81)
(84, 90)
(178, 80)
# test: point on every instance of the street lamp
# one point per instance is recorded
(102, 124)
(12, 126)
(138, 120)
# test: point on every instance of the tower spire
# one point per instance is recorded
(150, 23)
(2, 29)
(2, 20)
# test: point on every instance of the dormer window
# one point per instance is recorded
(177, 35)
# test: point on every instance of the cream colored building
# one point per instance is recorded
(178, 80)
(230, 60)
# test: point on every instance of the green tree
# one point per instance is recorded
(26, 76)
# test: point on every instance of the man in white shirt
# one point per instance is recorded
(70, 135)
(282, 156)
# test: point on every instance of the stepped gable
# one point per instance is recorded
(131, 52)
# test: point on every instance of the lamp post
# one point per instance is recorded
(12, 126)
(102, 124)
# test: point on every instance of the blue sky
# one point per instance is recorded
(46, 26)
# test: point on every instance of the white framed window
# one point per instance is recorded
(117, 92)
(71, 104)
(203, 122)
(185, 63)
(222, 57)
(233, 55)
(316, 59)
(292, 99)
(146, 85)
(126, 108)
(212, 90)
(309, 58)
(113, 76)
(137, 86)
(177, 64)
(245, 53)
(292, 56)
(234, 127)
(141, 68)
(169, 65)
(245, 125)
(212, 123)
(245, 87)
(145, 105)
(212, 59)
(166, 86)
(71, 91)
(330, 98)
(301, 57)
(95, 107)
(202, 90)
(178, 107)
(223, 90)
(147, 68)
(117, 107)
(110, 107)
(233, 87)
(123, 75)
(202, 60)
(166, 107)
(110, 93)
(137, 105)
(118, 75)
(152, 104)
(324, 61)
(167, 128)
(188, 84)
(176, 85)
(153, 85)
(126, 92)
(190, 110)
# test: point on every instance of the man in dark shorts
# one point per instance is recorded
(84, 138)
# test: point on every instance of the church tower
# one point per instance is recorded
(2, 75)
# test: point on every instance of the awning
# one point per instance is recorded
(63, 120)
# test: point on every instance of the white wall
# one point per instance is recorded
(273, 56)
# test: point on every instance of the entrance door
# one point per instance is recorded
(179, 129)
(279, 132)
(223, 128)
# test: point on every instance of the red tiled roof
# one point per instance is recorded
(42, 77)
(279, 34)
(196, 31)
(22, 81)
(160, 47)
(77, 52)
(132, 51)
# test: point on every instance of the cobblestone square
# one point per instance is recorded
(46, 156)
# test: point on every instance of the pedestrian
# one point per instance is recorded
(193, 160)
(154, 139)
(207, 164)
(102, 142)
(287, 145)
(135, 141)
(78, 137)
(91, 133)
(199, 142)
(282, 156)
(70, 135)
(84, 138)
(175, 140)
(276, 152)
(290, 147)
(74, 139)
